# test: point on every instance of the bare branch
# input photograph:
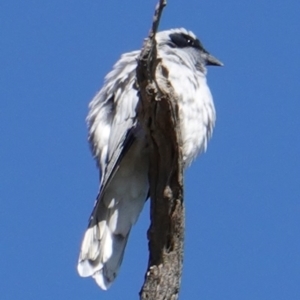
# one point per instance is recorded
(158, 113)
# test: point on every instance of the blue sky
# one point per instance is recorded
(242, 197)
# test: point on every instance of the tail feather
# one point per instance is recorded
(102, 251)
(103, 245)
(109, 272)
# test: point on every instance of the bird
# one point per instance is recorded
(119, 146)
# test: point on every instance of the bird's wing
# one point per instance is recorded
(111, 118)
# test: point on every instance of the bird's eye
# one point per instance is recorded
(190, 42)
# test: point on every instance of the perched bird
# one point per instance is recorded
(120, 148)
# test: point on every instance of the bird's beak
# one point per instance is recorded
(212, 61)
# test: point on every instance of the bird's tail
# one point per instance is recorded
(102, 248)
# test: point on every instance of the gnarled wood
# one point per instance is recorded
(158, 113)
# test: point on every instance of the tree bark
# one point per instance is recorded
(158, 114)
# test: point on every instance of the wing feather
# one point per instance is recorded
(112, 115)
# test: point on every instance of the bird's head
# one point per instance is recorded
(187, 46)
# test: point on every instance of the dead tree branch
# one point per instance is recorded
(158, 114)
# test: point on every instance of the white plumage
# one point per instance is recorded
(120, 148)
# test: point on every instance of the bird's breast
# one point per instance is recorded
(196, 111)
